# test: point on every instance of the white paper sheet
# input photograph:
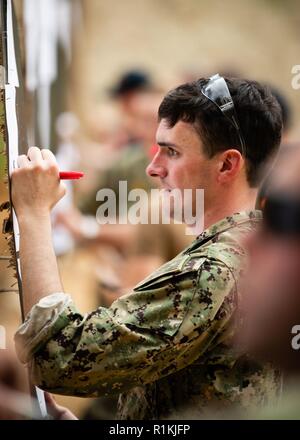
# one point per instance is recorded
(11, 56)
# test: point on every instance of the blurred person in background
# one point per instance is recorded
(287, 115)
(168, 343)
(132, 86)
(287, 118)
(271, 300)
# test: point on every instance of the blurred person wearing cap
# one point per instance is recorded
(130, 91)
(129, 84)
(168, 344)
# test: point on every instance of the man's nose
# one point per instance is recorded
(156, 168)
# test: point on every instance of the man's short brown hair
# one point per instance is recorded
(258, 113)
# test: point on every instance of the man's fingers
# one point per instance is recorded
(44, 157)
(23, 161)
(34, 154)
(48, 156)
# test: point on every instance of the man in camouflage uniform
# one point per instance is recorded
(166, 346)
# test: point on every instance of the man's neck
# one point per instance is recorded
(226, 206)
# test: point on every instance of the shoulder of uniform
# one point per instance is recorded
(213, 259)
(219, 256)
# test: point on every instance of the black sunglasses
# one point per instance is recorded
(281, 214)
(216, 90)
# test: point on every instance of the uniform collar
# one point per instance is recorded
(236, 219)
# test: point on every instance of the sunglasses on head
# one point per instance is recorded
(216, 90)
(281, 214)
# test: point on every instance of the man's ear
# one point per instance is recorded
(230, 163)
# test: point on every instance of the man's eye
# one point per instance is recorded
(172, 152)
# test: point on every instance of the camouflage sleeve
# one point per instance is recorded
(162, 326)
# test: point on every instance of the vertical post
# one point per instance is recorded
(12, 130)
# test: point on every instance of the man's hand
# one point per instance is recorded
(36, 186)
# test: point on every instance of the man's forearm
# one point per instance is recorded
(40, 276)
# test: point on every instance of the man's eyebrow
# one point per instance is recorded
(167, 144)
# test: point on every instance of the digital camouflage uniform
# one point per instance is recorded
(166, 346)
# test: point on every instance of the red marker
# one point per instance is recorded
(70, 175)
